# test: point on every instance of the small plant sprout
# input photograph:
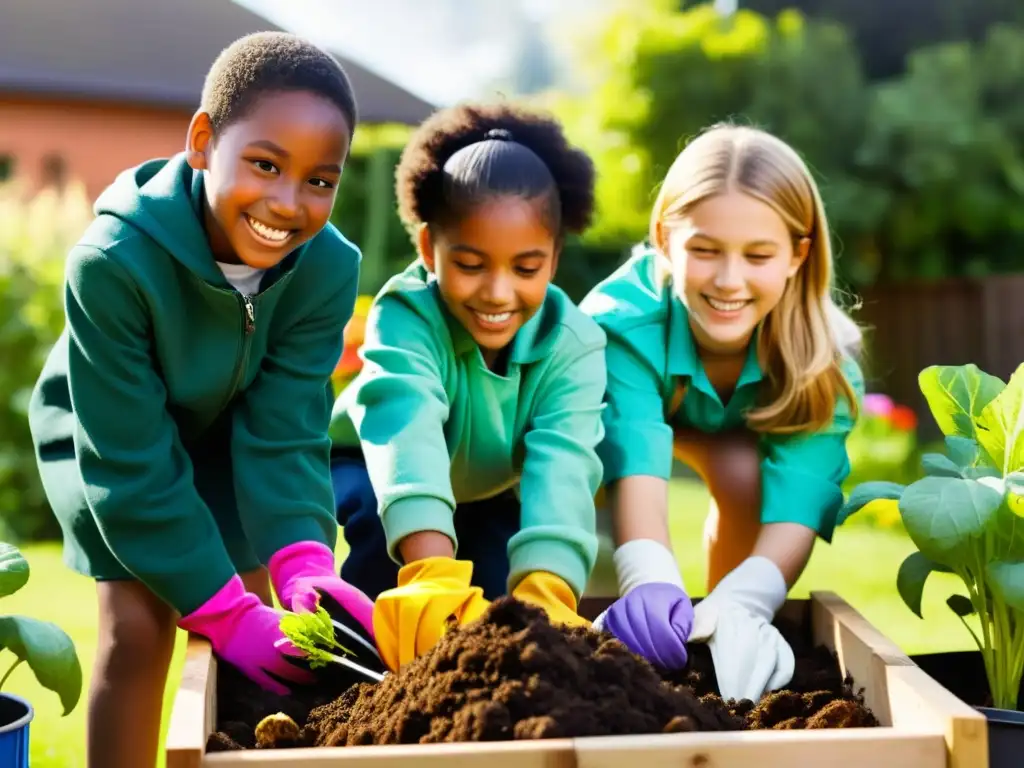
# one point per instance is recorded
(966, 515)
(47, 649)
(313, 634)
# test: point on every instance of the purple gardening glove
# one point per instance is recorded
(304, 578)
(243, 631)
(653, 620)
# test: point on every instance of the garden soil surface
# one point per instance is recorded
(512, 675)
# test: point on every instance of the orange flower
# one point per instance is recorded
(350, 362)
(354, 333)
(903, 418)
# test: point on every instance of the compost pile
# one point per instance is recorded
(512, 675)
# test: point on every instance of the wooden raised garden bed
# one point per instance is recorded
(921, 723)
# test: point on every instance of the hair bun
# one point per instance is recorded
(499, 134)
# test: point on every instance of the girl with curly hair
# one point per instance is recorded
(465, 451)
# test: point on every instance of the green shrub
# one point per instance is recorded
(35, 236)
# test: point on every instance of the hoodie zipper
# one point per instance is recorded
(248, 311)
(248, 327)
(250, 316)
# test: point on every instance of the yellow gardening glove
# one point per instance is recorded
(409, 619)
(547, 591)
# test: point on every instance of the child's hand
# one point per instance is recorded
(413, 616)
(653, 620)
(547, 591)
(302, 572)
(243, 631)
(735, 620)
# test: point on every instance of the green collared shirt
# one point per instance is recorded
(651, 350)
(437, 427)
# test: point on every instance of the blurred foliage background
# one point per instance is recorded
(915, 133)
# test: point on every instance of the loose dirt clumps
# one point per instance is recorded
(242, 705)
(515, 676)
(817, 696)
(512, 675)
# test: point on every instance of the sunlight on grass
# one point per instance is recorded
(860, 565)
(55, 593)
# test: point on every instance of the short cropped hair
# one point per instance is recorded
(265, 62)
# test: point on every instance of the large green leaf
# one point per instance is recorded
(14, 570)
(937, 465)
(1007, 581)
(1000, 426)
(982, 471)
(943, 515)
(49, 652)
(865, 493)
(1007, 533)
(910, 579)
(962, 450)
(957, 394)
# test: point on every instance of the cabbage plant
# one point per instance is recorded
(966, 515)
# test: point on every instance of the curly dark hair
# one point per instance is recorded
(463, 155)
(273, 61)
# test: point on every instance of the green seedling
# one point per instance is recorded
(46, 648)
(966, 515)
(313, 634)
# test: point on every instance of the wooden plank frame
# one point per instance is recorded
(924, 725)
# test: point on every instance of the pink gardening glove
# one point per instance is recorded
(304, 577)
(243, 631)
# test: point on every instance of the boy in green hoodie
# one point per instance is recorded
(473, 426)
(181, 419)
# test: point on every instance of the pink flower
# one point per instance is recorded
(878, 405)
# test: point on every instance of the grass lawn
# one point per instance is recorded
(860, 565)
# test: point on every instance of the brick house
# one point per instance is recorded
(88, 89)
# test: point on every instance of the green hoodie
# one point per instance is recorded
(437, 427)
(171, 403)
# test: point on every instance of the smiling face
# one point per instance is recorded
(493, 268)
(272, 175)
(731, 257)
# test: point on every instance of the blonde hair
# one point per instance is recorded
(804, 336)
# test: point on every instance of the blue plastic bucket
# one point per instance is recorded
(15, 715)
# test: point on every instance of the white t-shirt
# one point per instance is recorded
(245, 278)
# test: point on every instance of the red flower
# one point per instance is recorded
(903, 418)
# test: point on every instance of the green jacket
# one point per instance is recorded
(650, 349)
(157, 347)
(437, 427)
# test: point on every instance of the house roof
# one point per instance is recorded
(150, 52)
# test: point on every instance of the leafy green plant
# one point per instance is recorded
(314, 635)
(36, 233)
(966, 515)
(47, 649)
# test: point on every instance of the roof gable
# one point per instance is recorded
(150, 52)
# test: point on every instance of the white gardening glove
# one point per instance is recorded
(642, 561)
(735, 620)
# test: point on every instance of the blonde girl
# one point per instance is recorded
(726, 351)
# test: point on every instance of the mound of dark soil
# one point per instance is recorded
(512, 675)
